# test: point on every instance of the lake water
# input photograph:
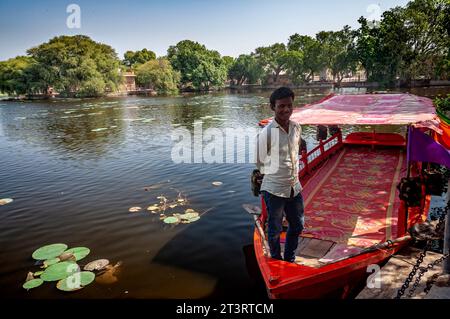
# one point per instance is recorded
(75, 167)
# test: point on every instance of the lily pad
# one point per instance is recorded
(189, 216)
(96, 265)
(5, 201)
(32, 283)
(171, 220)
(79, 252)
(38, 273)
(191, 220)
(49, 251)
(153, 208)
(51, 261)
(135, 209)
(76, 281)
(60, 271)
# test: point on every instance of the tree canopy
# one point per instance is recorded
(76, 66)
(409, 43)
(135, 58)
(245, 69)
(15, 76)
(338, 52)
(305, 57)
(272, 59)
(159, 76)
(199, 67)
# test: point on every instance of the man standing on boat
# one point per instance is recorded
(277, 159)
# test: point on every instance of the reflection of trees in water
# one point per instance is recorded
(219, 110)
(76, 133)
(70, 133)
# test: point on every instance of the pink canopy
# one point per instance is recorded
(369, 109)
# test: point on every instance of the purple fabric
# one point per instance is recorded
(422, 148)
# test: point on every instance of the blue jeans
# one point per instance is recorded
(293, 209)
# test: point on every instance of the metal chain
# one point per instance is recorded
(419, 261)
(413, 272)
(423, 270)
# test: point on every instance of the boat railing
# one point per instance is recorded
(311, 160)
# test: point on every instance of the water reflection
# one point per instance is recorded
(70, 130)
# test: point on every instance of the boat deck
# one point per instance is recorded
(351, 203)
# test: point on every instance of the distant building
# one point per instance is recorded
(129, 81)
(323, 76)
(327, 76)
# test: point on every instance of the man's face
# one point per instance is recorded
(283, 109)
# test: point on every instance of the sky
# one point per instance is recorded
(232, 27)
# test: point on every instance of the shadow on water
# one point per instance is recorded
(254, 272)
(236, 273)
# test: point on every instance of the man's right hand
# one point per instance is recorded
(259, 177)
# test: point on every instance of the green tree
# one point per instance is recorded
(228, 61)
(443, 104)
(409, 42)
(382, 49)
(310, 56)
(428, 39)
(200, 68)
(76, 66)
(245, 69)
(295, 66)
(134, 58)
(159, 76)
(339, 52)
(14, 74)
(272, 59)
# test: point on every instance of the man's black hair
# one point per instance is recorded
(281, 93)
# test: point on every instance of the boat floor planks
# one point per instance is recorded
(311, 250)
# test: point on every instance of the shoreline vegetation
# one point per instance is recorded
(408, 47)
(234, 88)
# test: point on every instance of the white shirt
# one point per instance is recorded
(280, 163)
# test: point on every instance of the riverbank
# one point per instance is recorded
(352, 84)
(443, 86)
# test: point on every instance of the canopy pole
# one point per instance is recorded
(408, 174)
(408, 164)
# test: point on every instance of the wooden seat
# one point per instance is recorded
(370, 138)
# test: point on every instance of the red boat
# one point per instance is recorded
(354, 218)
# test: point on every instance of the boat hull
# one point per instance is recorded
(290, 281)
